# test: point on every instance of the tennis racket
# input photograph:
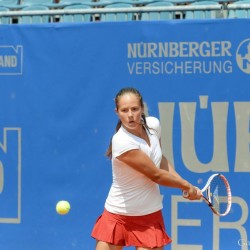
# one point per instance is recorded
(217, 194)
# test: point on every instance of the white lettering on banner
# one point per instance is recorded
(219, 161)
(11, 148)
(180, 67)
(216, 229)
(236, 225)
(242, 117)
(179, 49)
(206, 57)
(11, 60)
(8, 61)
(176, 222)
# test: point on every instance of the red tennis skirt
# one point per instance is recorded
(140, 231)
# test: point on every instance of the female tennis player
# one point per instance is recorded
(132, 213)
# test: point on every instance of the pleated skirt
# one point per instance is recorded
(141, 231)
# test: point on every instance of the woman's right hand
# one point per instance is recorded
(193, 193)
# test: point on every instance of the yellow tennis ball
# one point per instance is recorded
(62, 207)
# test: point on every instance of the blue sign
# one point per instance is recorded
(57, 88)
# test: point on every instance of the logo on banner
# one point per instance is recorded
(243, 56)
(10, 176)
(185, 57)
(11, 60)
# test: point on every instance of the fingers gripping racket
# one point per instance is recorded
(217, 194)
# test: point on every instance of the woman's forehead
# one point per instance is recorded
(128, 98)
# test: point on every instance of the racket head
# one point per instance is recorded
(218, 194)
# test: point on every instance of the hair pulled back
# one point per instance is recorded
(123, 91)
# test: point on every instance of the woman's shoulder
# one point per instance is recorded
(121, 135)
(123, 141)
(153, 122)
(154, 125)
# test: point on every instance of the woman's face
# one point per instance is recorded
(129, 110)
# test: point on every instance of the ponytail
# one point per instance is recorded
(109, 150)
(119, 123)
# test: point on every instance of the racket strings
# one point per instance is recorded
(219, 195)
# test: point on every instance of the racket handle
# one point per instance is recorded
(185, 194)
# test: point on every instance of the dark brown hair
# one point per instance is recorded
(122, 92)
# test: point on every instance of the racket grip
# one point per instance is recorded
(185, 194)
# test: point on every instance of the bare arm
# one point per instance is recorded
(194, 193)
(166, 165)
(139, 161)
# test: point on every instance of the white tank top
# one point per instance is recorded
(132, 193)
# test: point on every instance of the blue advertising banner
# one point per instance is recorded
(57, 89)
